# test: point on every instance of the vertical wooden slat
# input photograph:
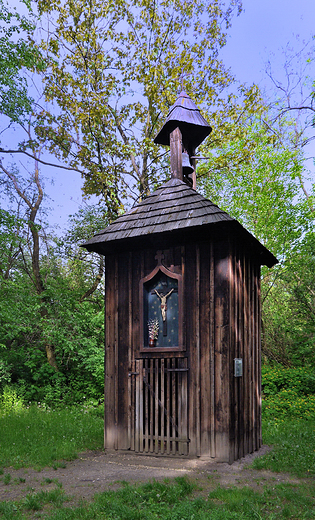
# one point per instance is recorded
(239, 453)
(137, 405)
(259, 359)
(142, 391)
(253, 356)
(197, 347)
(251, 360)
(184, 411)
(255, 344)
(156, 404)
(168, 404)
(190, 301)
(222, 350)
(205, 347)
(162, 407)
(258, 354)
(232, 354)
(131, 380)
(122, 325)
(152, 413)
(110, 355)
(146, 398)
(212, 364)
(116, 351)
(245, 356)
(133, 406)
(173, 414)
(180, 379)
(241, 430)
(237, 380)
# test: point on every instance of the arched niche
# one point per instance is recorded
(161, 309)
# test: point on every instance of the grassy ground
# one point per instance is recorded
(41, 437)
(176, 500)
(294, 447)
(37, 437)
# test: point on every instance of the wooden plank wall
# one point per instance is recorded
(110, 405)
(221, 318)
(245, 425)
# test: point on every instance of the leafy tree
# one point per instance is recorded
(16, 53)
(41, 295)
(114, 69)
(292, 105)
(257, 180)
(299, 281)
(73, 319)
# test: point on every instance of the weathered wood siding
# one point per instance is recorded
(221, 321)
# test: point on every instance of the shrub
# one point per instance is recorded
(10, 401)
(288, 393)
(275, 379)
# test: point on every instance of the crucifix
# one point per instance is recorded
(163, 298)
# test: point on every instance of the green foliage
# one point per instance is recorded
(72, 323)
(115, 109)
(288, 404)
(41, 436)
(10, 402)
(276, 378)
(5, 375)
(259, 180)
(16, 53)
(288, 393)
(255, 180)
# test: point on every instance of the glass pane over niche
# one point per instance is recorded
(161, 309)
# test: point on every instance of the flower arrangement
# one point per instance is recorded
(153, 326)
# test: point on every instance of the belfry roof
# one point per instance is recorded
(185, 115)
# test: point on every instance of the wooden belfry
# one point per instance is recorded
(182, 318)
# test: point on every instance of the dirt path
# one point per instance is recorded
(94, 472)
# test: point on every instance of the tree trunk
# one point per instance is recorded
(51, 358)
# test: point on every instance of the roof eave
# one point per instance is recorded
(182, 235)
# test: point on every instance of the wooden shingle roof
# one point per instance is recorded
(171, 209)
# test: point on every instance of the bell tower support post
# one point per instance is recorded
(176, 154)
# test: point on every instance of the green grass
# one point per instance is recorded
(176, 500)
(34, 502)
(36, 437)
(293, 447)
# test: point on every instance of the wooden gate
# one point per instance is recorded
(161, 406)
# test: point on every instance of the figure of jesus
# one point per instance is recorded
(163, 298)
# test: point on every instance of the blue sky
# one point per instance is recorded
(262, 31)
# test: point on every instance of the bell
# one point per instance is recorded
(187, 167)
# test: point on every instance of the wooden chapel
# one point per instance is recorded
(182, 317)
